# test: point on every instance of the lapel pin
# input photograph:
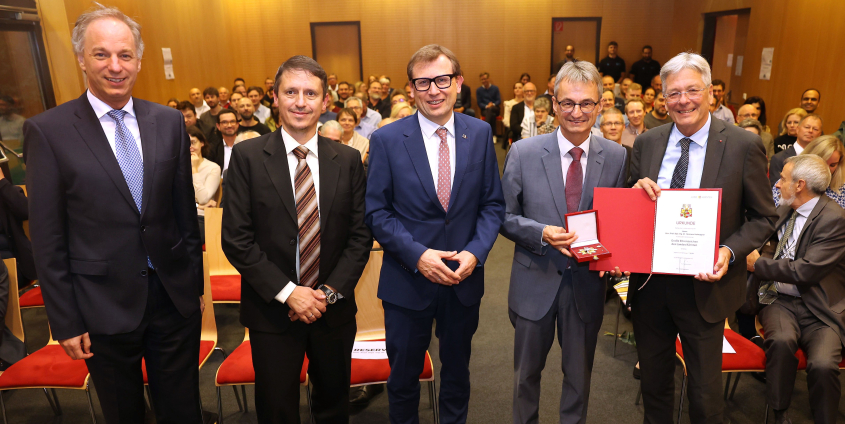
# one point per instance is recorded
(464, 135)
(720, 141)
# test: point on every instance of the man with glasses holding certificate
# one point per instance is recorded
(696, 152)
(434, 203)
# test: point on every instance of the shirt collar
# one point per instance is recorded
(566, 145)
(429, 128)
(101, 108)
(291, 144)
(700, 136)
(805, 209)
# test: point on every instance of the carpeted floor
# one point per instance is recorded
(611, 401)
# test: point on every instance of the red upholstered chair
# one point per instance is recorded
(225, 279)
(46, 368)
(236, 370)
(32, 298)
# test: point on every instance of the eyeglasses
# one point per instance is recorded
(399, 100)
(613, 124)
(692, 94)
(568, 106)
(442, 82)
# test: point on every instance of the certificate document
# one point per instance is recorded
(686, 231)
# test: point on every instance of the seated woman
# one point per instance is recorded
(518, 97)
(541, 122)
(206, 176)
(14, 210)
(648, 99)
(348, 120)
(789, 132)
(829, 148)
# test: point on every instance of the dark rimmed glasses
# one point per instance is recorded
(441, 81)
(567, 106)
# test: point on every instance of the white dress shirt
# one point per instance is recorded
(792, 242)
(697, 149)
(798, 148)
(202, 109)
(432, 146)
(566, 158)
(313, 163)
(101, 109)
(227, 153)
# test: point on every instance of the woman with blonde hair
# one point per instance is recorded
(789, 129)
(348, 119)
(829, 148)
(400, 110)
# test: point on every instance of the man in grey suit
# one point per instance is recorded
(803, 294)
(545, 178)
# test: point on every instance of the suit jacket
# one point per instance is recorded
(818, 269)
(734, 161)
(14, 210)
(260, 228)
(517, 115)
(778, 160)
(407, 219)
(89, 240)
(535, 196)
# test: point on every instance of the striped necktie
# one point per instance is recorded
(308, 218)
(679, 176)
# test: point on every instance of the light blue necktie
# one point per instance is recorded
(129, 159)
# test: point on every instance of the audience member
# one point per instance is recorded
(608, 83)
(761, 111)
(550, 87)
(195, 97)
(12, 349)
(255, 94)
(240, 82)
(635, 111)
(343, 93)
(751, 125)
(722, 112)
(612, 65)
(14, 243)
(209, 119)
(648, 99)
(789, 129)
(223, 97)
(248, 121)
(541, 121)
(333, 87)
(172, 102)
(802, 282)
(643, 70)
(189, 113)
(608, 101)
(11, 124)
(411, 99)
(659, 115)
(364, 127)
(327, 115)
(508, 106)
(233, 102)
(272, 121)
(749, 111)
(205, 175)
(220, 145)
(241, 89)
(331, 130)
(568, 56)
(377, 103)
(525, 78)
(488, 98)
(267, 97)
(348, 120)
(657, 83)
(635, 91)
(386, 91)
(809, 129)
(522, 110)
(829, 148)
(612, 125)
(810, 100)
(400, 110)
(463, 103)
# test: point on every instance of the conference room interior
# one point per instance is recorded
(213, 42)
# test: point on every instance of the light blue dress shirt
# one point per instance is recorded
(697, 149)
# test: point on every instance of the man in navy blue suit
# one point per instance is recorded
(435, 204)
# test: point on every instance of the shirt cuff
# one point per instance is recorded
(285, 293)
(732, 254)
(543, 242)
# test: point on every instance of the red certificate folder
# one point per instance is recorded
(627, 221)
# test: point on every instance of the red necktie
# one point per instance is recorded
(444, 171)
(574, 179)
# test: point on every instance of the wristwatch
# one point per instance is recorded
(331, 295)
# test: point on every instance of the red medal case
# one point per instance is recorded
(586, 225)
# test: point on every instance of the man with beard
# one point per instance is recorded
(808, 129)
(643, 70)
(248, 120)
(659, 115)
(208, 120)
(377, 103)
(220, 145)
(343, 93)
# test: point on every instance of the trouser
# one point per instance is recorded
(408, 334)
(788, 325)
(490, 115)
(169, 344)
(532, 341)
(662, 310)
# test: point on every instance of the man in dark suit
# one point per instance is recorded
(545, 178)
(696, 152)
(529, 91)
(803, 296)
(809, 129)
(114, 230)
(223, 140)
(293, 226)
(434, 203)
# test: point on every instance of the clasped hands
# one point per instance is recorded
(306, 304)
(431, 265)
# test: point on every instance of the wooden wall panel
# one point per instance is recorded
(724, 45)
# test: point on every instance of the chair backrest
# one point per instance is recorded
(217, 262)
(209, 325)
(13, 309)
(370, 316)
(218, 195)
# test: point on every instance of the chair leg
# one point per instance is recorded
(238, 398)
(308, 397)
(736, 382)
(3, 407)
(90, 405)
(766, 418)
(728, 385)
(434, 404)
(639, 396)
(246, 402)
(683, 393)
(616, 333)
(219, 407)
(56, 398)
(52, 404)
(150, 398)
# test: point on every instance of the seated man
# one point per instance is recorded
(750, 111)
(802, 291)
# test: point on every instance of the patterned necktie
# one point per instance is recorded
(308, 217)
(679, 176)
(444, 170)
(574, 180)
(769, 292)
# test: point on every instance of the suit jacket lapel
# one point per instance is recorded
(595, 164)
(662, 140)
(279, 172)
(329, 175)
(462, 144)
(716, 141)
(554, 173)
(415, 145)
(147, 127)
(92, 134)
(802, 244)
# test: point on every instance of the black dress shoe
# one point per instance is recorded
(361, 395)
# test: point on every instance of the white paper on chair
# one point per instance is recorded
(726, 346)
(369, 350)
